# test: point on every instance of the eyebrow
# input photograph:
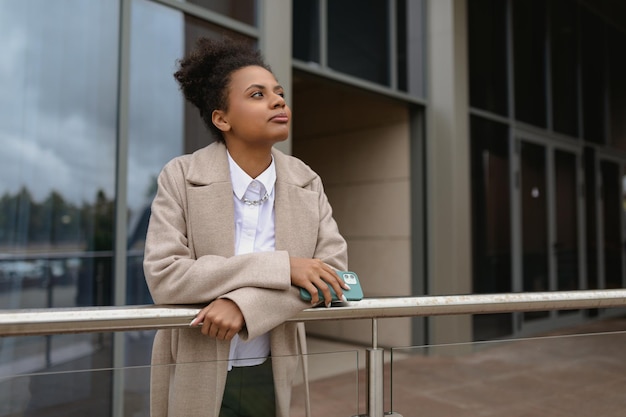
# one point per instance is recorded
(262, 87)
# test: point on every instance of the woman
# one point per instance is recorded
(237, 226)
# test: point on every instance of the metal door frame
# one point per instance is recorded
(550, 145)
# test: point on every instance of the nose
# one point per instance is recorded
(279, 101)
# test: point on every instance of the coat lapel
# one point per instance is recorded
(211, 223)
(211, 219)
(296, 210)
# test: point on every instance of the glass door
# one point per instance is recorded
(534, 218)
(606, 224)
(612, 224)
(612, 211)
(550, 219)
(566, 246)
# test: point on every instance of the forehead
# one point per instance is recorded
(252, 75)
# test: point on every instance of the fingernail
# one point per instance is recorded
(346, 286)
(328, 305)
(343, 297)
(193, 322)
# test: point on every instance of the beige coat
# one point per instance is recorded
(189, 260)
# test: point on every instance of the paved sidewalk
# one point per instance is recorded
(578, 372)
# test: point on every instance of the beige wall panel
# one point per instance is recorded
(391, 332)
(326, 329)
(394, 332)
(359, 145)
(383, 266)
(322, 109)
(371, 155)
(380, 153)
(372, 209)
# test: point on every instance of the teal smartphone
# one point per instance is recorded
(355, 293)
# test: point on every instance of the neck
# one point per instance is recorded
(252, 161)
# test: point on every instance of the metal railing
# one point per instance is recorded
(29, 322)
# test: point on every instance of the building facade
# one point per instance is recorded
(465, 146)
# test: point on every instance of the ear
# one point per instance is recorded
(219, 120)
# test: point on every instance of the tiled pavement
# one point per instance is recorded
(578, 372)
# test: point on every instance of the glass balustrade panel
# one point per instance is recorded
(557, 375)
(75, 383)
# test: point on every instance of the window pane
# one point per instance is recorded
(243, 10)
(617, 90)
(491, 222)
(529, 37)
(358, 39)
(410, 46)
(156, 118)
(591, 219)
(564, 55)
(57, 166)
(611, 217)
(58, 129)
(306, 30)
(162, 124)
(487, 55)
(593, 76)
(566, 249)
(402, 41)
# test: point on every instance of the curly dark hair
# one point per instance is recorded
(204, 74)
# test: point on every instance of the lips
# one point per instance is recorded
(280, 118)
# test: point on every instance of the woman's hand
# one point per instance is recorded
(314, 276)
(221, 319)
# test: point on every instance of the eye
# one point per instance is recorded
(257, 94)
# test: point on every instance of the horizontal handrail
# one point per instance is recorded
(48, 256)
(48, 321)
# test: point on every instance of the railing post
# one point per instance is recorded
(374, 363)
(374, 366)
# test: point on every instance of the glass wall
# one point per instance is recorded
(491, 220)
(59, 132)
(567, 251)
(617, 87)
(533, 185)
(548, 70)
(352, 24)
(529, 60)
(612, 212)
(58, 129)
(487, 48)
(564, 74)
(162, 124)
(378, 41)
(564, 59)
(156, 119)
(306, 31)
(593, 61)
(60, 79)
(244, 11)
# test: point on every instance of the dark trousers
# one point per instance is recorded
(249, 392)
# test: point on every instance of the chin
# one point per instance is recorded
(279, 139)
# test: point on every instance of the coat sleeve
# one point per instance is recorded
(279, 305)
(331, 246)
(172, 273)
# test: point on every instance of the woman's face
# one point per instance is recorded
(257, 113)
